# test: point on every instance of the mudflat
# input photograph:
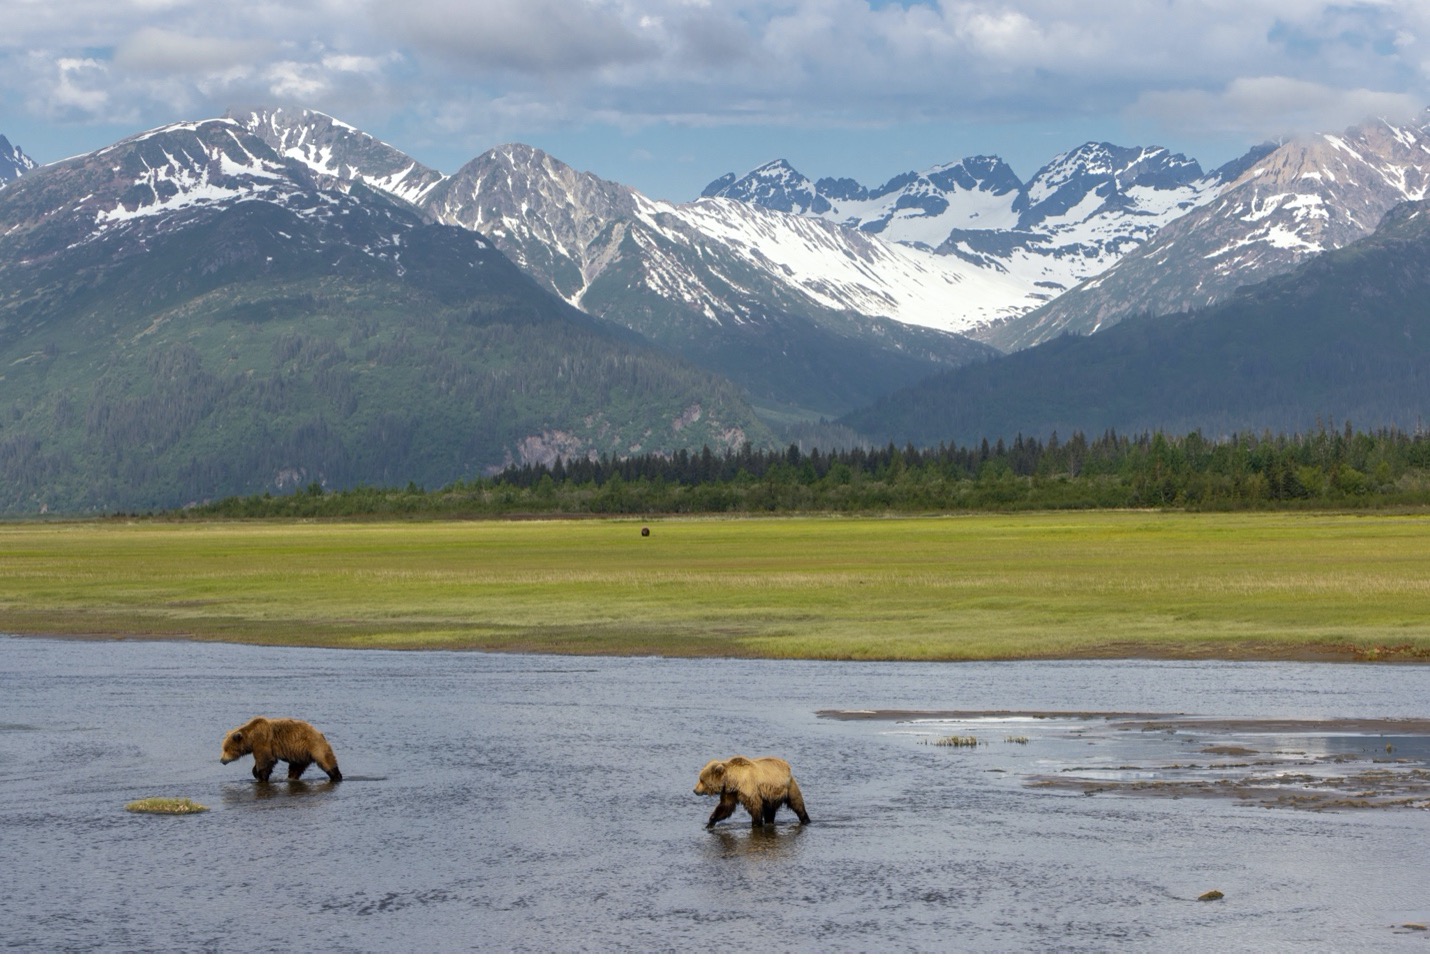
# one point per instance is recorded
(1152, 722)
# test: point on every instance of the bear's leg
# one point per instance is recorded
(295, 770)
(755, 806)
(261, 773)
(728, 802)
(771, 807)
(796, 801)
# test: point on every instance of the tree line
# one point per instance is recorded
(1335, 469)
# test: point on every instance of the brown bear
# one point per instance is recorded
(760, 785)
(291, 740)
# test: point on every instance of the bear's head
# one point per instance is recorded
(712, 779)
(235, 744)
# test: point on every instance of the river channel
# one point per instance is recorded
(497, 803)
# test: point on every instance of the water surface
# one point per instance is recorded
(529, 803)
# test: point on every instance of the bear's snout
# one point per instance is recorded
(224, 760)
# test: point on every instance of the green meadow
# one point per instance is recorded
(1074, 584)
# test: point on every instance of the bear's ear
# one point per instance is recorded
(718, 769)
(237, 737)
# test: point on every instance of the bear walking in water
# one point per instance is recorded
(295, 742)
(760, 785)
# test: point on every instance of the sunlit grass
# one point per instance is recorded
(1100, 584)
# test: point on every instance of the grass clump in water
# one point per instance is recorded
(166, 805)
(968, 741)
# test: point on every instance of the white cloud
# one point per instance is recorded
(64, 89)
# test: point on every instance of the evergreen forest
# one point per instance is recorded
(1324, 469)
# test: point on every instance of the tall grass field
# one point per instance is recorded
(1084, 584)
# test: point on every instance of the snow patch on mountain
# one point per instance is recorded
(843, 269)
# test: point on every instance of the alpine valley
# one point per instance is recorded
(276, 299)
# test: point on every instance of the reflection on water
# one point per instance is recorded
(763, 843)
(286, 791)
(500, 803)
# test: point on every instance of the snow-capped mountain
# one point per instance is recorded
(570, 226)
(13, 161)
(161, 180)
(1290, 203)
(1076, 217)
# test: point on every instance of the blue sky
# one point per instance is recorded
(666, 95)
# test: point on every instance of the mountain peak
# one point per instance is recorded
(13, 161)
(523, 156)
(331, 148)
(775, 185)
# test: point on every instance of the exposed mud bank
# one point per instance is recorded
(1314, 764)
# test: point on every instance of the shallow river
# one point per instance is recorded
(528, 803)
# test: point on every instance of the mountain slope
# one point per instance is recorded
(1301, 199)
(1344, 336)
(189, 314)
(13, 161)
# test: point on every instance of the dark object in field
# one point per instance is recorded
(760, 785)
(1211, 896)
(645, 530)
(295, 742)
